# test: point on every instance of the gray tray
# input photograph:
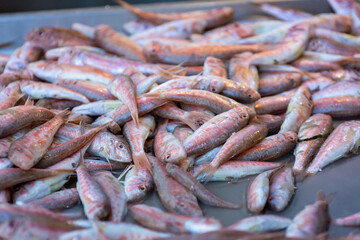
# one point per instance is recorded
(341, 177)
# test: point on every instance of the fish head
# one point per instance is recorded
(291, 136)
(216, 86)
(43, 37)
(252, 95)
(118, 150)
(44, 70)
(138, 185)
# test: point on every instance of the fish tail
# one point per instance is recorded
(29, 102)
(140, 160)
(64, 113)
(327, 198)
(129, 7)
(206, 173)
(195, 119)
(171, 72)
(135, 117)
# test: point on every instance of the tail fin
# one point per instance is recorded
(195, 119)
(206, 173)
(140, 159)
(138, 12)
(29, 102)
(64, 114)
(326, 198)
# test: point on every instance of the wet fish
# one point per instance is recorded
(137, 26)
(167, 147)
(262, 223)
(16, 118)
(214, 17)
(158, 220)
(349, 221)
(271, 84)
(174, 197)
(338, 90)
(299, 109)
(138, 184)
(95, 202)
(51, 71)
(213, 101)
(312, 135)
(97, 108)
(182, 133)
(326, 46)
(341, 142)
(269, 148)
(64, 150)
(55, 53)
(311, 221)
(258, 192)
(273, 122)
(236, 169)
(103, 165)
(123, 88)
(274, 104)
(282, 13)
(62, 199)
(237, 143)
(27, 151)
(116, 194)
(59, 104)
(190, 182)
(93, 91)
(207, 157)
(137, 136)
(214, 67)
(174, 29)
(50, 37)
(239, 72)
(216, 131)
(282, 188)
(118, 43)
(344, 106)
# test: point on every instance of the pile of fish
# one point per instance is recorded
(180, 100)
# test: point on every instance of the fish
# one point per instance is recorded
(326, 46)
(282, 13)
(193, 119)
(28, 150)
(271, 84)
(273, 122)
(137, 136)
(39, 90)
(158, 220)
(213, 101)
(216, 131)
(174, 29)
(167, 148)
(84, 29)
(337, 90)
(312, 220)
(104, 145)
(117, 43)
(62, 199)
(214, 67)
(336, 37)
(115, 193)
(51, 37)
(9, 99)
(207, 157)
(56, 53)
(138, 184)
(261, 223)
(237, 143)
(342, 7)
(59, 104)
(349, 221)
(340, 143)
(274, 104)
(190, 182)
(196, 53)
(123, 88)
(228, 34)
(93, 91)
(95, 202)
(16, 118)
(312, 135)
(50, 71)
(103, 165)
(173, 196)
(269, 148)
(258, 192)
(282, 188)
(343, 106)
(232, 170)
(242, 73)
(97, 108)
(298, 110)
(64, 150)
(182, 133)
(214, 17)
(137, 26)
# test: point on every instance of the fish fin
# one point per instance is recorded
(327, 198)
(126, 170)
(207, 172)
(195, 119)
(171, 72)
(135, 117)
(64, 113)
(140, 159)
(102, 150)
(29, 102)
(82, 127)
(347, 60)
(194, 82)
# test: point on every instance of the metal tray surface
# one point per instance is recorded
(341, 177)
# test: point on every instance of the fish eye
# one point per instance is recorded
(182, 205)
(291, 138)
(200, 123)
(153, 50)
(40, 32)
(249, 96)
(71, 51)
(121, 146)
(244, 115)
(142, 188)
(168, 156)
